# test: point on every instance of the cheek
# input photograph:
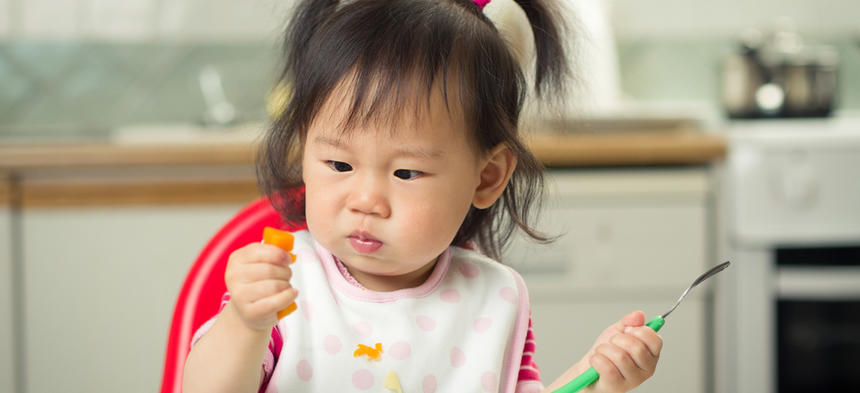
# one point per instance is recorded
(319, 203)
(434, 216)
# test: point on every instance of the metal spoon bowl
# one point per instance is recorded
(706, 275)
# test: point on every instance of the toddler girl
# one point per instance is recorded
(402, 128)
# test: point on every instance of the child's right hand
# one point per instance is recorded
(258, 279)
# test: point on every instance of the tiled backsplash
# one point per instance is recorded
(100, 85)
(141, 20)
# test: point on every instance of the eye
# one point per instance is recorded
(339, 166)
(407, 174)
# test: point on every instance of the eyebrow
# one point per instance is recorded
(406, 152)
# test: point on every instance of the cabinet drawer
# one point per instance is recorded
(619, 239)
(782, 194)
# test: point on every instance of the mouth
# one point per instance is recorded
(363, 243)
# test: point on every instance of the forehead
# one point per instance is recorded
(408, 110)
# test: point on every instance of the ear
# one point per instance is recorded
(495, 174)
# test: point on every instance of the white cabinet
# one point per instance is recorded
(99, 286)
(629, 240)
(7, 302)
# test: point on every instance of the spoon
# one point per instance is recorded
(590, 376)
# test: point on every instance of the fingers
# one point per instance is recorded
(258, 290)
(258, 279)
(262, 314)
(637, 351)
(649, 337)
(261, 253)
(634, 319)
(270, 305)
(613, 363)
(627, 359)
(261, 271)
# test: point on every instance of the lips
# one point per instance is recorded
(363, 243)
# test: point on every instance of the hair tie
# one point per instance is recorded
(481, 3)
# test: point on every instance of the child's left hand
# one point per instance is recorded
(624, 355)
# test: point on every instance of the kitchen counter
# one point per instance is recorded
(581, 149)
(627, 148)
(99, 173)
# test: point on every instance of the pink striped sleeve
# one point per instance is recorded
(529, 375)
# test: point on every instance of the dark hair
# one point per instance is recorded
(386, 46)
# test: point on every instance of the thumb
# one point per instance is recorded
(634, 319)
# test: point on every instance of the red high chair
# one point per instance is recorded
(200, 296)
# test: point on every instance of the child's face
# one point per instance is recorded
(388, 202)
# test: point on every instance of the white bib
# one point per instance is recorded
(463, 330)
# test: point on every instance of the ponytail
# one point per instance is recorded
(551, 70)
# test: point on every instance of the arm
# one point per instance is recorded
(624, 355)
(229, 357)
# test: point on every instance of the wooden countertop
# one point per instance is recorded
(104, 174)
(627, 148)
(554, 150)
(47, 156)
(5, 189)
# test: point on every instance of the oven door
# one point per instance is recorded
(818, 345)
(818, 319)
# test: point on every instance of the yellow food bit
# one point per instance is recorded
(371, 353)
(392, 383)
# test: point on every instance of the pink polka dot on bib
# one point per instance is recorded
(428, 385)
(490, 381)
(400, 350)
(332, 344)
(508, 294)
(362, 379)
(450, 295)
(425, 323)
(304, 370)
(458, 358)
(482, 324)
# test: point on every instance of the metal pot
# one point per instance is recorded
(810, 84)
(762, 81)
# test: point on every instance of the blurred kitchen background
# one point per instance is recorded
(700, 132)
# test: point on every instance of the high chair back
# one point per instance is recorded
(200, 296)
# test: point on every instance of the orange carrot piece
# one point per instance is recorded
(371, 353)
(283, 240)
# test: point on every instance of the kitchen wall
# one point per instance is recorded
(76, 67)
(670, 49)
(79, 67)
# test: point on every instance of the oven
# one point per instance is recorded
(788, 312)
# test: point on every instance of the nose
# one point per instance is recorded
(369, 197)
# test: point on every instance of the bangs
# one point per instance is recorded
(380, 101)
(386, 59)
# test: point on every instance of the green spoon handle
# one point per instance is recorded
(590, 376)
